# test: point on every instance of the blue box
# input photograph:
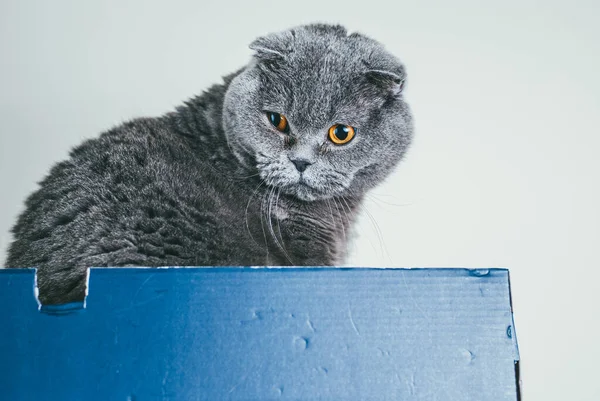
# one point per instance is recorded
(263, 334)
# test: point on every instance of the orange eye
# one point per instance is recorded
(341, 134)
(279, 121)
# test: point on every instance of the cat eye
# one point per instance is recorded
(278, 121)
(341, 134)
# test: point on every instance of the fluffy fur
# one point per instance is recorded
(213, 183)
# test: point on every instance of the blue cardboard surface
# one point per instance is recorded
(262, 334)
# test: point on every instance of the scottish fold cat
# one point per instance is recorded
(268, 168)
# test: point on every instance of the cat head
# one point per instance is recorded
(319, 113)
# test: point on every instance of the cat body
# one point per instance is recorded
(222, 181)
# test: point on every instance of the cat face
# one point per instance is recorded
(318, 113)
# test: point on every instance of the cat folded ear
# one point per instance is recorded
(389, 76)
(273, 46)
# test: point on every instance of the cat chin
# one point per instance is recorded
(306, 193)
(301, 192)
(306, 196)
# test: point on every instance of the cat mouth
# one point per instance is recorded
(302, 187)
(303, 190)
(304, 183)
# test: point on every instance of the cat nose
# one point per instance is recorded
(301, 164)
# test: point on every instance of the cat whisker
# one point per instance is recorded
(380, 237)
(246, 212)
(271, 230)
(261, 212)
(341, 198)
(239, 177)
(279, 228)
(344, 209)
(341, 219)
(333, 222)
(377, 199)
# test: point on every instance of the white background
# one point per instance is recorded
(504, 171)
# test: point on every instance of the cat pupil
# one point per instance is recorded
(275, 119)
(341, 132)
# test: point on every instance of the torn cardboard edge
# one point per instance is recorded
(72, 306)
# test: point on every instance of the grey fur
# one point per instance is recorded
(212, 184)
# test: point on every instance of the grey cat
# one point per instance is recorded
(268, 168)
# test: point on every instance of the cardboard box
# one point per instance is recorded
(263, 334)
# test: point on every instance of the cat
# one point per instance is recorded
(268, 168)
